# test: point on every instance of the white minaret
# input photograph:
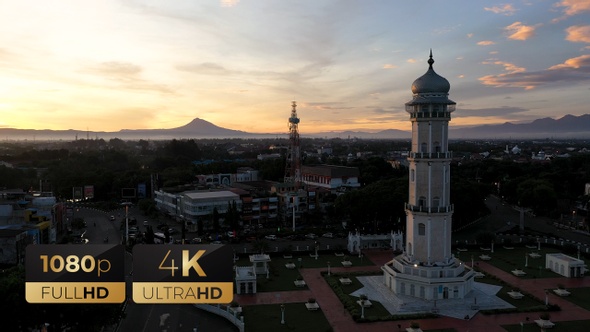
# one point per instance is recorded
(429, 211)
(427, 269)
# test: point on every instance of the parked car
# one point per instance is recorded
(311, 236)
(111, 218)
(328, 235)
(271, 237)
(196, 240)
(145, 223)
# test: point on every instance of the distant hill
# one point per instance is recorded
(569, 126)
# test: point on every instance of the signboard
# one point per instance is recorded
(75, 273)
(182, 274)
(88, 192)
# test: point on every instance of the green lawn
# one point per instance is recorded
(267, 318)
(580, 325)
(510, 259)
(281, 278)
(580, 297)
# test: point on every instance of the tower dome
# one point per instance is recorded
(431, 82)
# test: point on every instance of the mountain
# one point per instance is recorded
(569, 126)
(198, 128)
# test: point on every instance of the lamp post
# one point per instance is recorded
(283, 314)
(328, 268)
(362, 308)
(294, 201)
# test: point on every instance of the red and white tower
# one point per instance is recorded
(293, 166)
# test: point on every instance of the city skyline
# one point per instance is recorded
(120, 64)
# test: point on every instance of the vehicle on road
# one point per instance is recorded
(111, 218)
(328, 235)
(311, 236)
(271, 237)
(145, 223)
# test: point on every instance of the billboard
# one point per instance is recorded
(88, 192)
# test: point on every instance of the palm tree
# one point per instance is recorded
(260, 246)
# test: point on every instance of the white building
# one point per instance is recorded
(192, 206)
(427, 268)
(565, 265)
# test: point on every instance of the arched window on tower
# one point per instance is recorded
(421, 229)
(422, 201)
(436, 202)
(436, 147)
(423, 148)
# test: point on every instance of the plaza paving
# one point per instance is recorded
(341, 320)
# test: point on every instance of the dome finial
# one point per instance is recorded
(430, 61)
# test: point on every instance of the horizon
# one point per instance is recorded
(133, 65)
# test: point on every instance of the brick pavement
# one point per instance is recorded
(341, 321)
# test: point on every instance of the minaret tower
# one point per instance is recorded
(427, 269)
(428, 210)
(293, 166)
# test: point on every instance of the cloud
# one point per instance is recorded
(578, 34)
(505, 9)
(485, 43)
(205, 68)
(389, 66)
(126, 75)
(469, 35)
(412, 60)
(519, 31)
(509, 67)
(120, 70)
(229, 3)
(574, 63)
(572, 70)
(573, 7)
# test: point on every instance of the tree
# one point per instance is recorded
(215, 220)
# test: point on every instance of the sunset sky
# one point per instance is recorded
(132, 64)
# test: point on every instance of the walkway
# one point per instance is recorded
(341, 321)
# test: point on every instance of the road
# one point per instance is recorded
(146, 317)
(504, 217)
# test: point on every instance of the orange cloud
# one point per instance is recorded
(572, 70)
(519, 31)
(485, 43)
(506, 9)
(578, 34)
(389, 66)
(573, 7)
(509, 67)
(575, 63)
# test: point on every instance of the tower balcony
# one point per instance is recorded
(430, 209)
(430, 115)
(431, 155)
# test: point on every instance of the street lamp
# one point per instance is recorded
(328, 268)
(362, 308)
(283, 314)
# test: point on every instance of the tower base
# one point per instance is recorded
(451, 281)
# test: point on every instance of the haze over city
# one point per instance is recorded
(130, 64)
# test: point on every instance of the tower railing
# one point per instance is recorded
(430, 209)
(422, 115)
(431, 155)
